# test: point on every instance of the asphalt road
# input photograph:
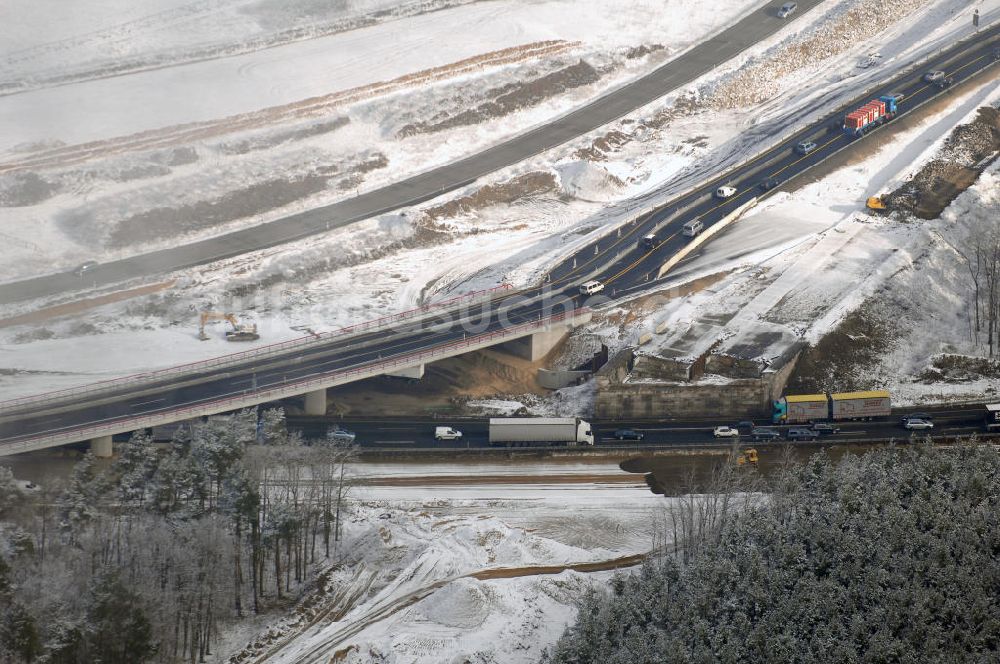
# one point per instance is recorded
(702, 58)
(373, 434)
(639, 265)
(622, 275)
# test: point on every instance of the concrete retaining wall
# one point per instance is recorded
(553, 380)
(735, 398)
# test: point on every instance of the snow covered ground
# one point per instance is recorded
(455, 562)
(109, 202)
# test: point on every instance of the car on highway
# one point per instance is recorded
(765, 433)
(745, 426)
(725, 192)
(340, 435)
(692, 228)
(768, 184)
(918, 425)
(651, 241)
(591, 288)
(933, 76)
(801, 433)
(628, 434)
(915, 416)
(83, 268)
(805, 147)
(446, 433)
(824, 428)
(725, 432)
(996, 53)
(787, 9)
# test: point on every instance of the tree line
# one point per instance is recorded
(886, 557)
(148, 560)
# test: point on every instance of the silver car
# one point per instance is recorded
(918, 425)
(340, 435)
(787, 9)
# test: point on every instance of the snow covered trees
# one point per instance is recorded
(886, 557)
(158, 551)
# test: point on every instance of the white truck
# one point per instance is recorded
(529, 431)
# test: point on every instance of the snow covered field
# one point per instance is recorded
(463, 562)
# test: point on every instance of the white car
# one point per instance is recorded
(591, 287)
(725, 432)
(446, 433)
(725, 192)
(918, 425)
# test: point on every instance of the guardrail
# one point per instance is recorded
(252, 353)
(251, 397)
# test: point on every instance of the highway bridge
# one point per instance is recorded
(540, 314)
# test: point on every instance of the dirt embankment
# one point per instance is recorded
(955, 168)
(512, 97)
(845, 358)
(501, 193)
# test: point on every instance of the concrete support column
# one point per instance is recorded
(102, 447)
(316, 402)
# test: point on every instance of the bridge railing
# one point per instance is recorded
(256, 352)
(245, 398)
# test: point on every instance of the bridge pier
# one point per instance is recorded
(102, 447)
(537, 345)
(316, 402)
(409, 372)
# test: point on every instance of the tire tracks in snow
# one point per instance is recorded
(321, 652)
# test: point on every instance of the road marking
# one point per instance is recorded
(146, 403)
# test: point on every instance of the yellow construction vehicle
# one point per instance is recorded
(749, 456)
(877, 204)
(240, 332)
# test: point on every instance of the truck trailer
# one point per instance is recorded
(801, 408)
(528, 431)
(860, 405)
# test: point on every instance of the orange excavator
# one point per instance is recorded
(240, 331)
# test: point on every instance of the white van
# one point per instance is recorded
(446, 433)
(591, 287)
(693, 227)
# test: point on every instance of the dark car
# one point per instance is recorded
(651, 241)
(801, 433)
(746, 426)
(768, 184)
(763, 433)
(996, 53)
(824, 428)
(627, 434)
